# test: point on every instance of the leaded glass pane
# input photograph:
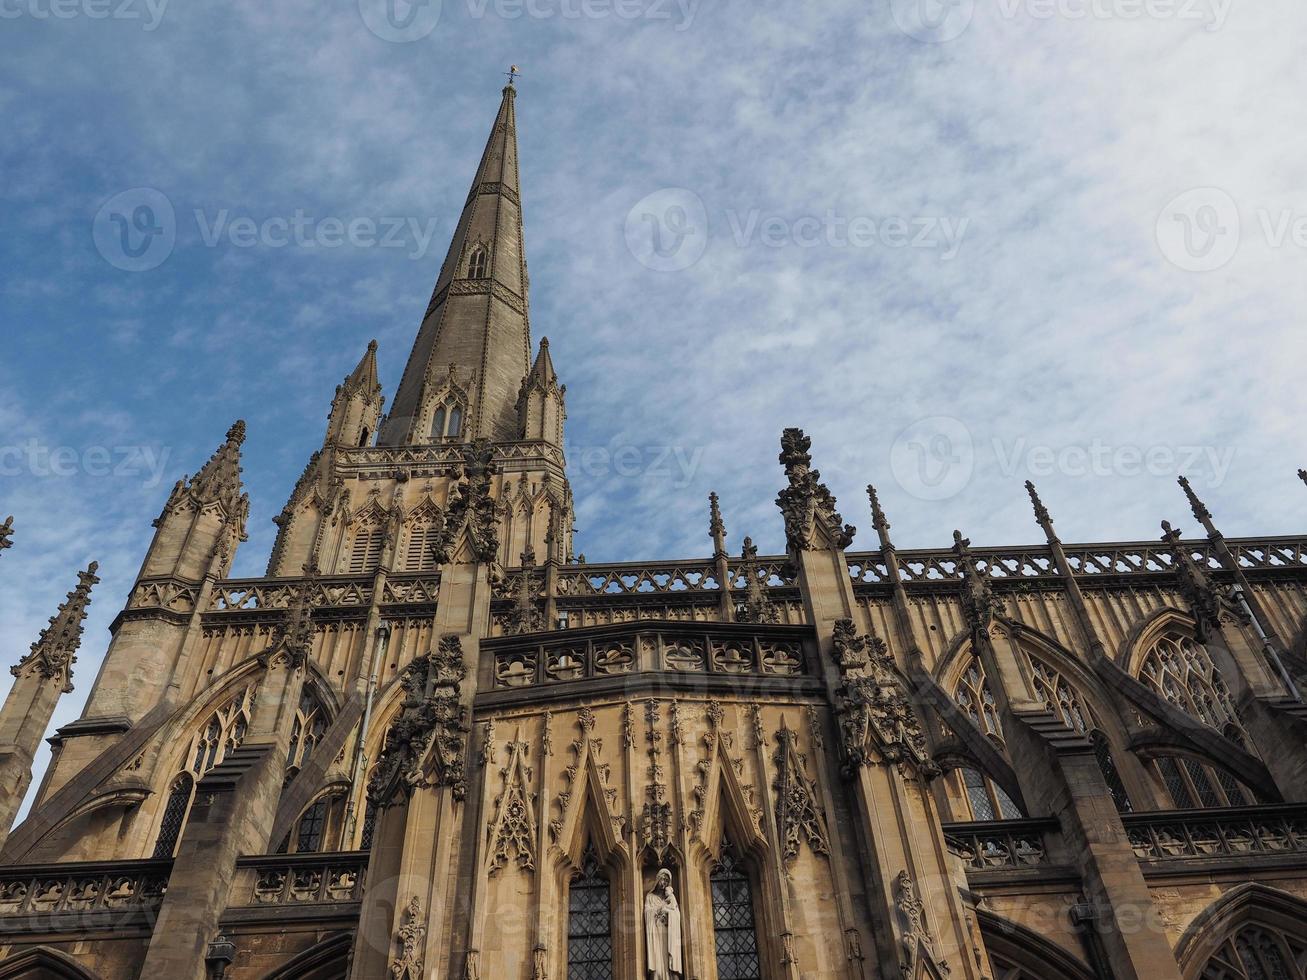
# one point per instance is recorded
(589, 923)
(734, 935)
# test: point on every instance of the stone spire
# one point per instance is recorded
(219, 480)
(473, 349)
(1041, 512)
(878, 518)
(55, 651)
(540, 408)
(6, 533)
(356, 407)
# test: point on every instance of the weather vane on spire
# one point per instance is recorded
(512, 73)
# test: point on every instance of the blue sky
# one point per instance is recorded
(961, 244)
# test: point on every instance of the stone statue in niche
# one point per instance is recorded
(662, 929)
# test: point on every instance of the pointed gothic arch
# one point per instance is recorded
(326, 960)
(43, 963)
(1018, 953)
(586, 842)
(1210, 947)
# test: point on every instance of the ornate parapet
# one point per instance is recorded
(299, 879)
(81, 897)
(1000, 845)
(1109, 563)
(1260, 834)
(680, 650)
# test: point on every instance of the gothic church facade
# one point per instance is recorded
(430, 742)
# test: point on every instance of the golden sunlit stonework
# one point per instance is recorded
(431, 742)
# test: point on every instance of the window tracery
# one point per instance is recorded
(223, 732)
(307, 730)
(973, 695)
(478, 263)
(447, 421)
(1181, 670)
(1194, 785)
(1258, 952)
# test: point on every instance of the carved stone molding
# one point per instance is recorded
(811, 520)
(410, 939)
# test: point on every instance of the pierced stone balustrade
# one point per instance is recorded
(83, 895)
(994, 845)
(1235, 832)
(300, 879)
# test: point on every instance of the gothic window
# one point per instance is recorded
(224, 731)
(985, 799)
(312, 827)
(447, 422)
(174, 816)
(589, 922)
(420, 555)
(1180, 670)
(369, 825)
(1107, 765)
(365, 550)
(735, 938)
(973, 695)
(477, 263)
(309, 726)
(1257, 952)
(1194, 785)
(1060, 697)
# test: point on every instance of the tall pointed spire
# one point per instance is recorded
(54, 652)
(474, 347)
(219, 480)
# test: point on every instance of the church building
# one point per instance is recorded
(432, 742)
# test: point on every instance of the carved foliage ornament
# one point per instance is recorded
(979, 604)
(912, 925)
(807, 506)
(874, 708)
(1196, 585)
(409, 939)
(797, 816)
(758, 607)
(513, 830)
(292, 637)
(471, 508)
(427, 741)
